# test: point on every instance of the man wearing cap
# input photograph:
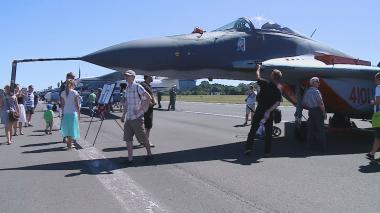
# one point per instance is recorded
(312, 101)
(172, 98)
(148, 116)
(134, 95)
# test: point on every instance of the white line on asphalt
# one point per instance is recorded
(131, 196)
(194, 102)
(221, 115)
(214, 114)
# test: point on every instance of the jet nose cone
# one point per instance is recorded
(139, 54)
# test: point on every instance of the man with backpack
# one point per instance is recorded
(136, 98)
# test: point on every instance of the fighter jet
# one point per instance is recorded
(232, 52)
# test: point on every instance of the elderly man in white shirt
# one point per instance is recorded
(135, 97)
(312, 101)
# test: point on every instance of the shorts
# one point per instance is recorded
(29, 110)
(135, 128)
(49, 124)
(148, 118)
(377, 133)
(250, 108)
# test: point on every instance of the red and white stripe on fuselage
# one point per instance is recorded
(341, 95)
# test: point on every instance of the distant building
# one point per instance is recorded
(187, 84)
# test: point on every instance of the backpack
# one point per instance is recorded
(145, 102)
(277, 116)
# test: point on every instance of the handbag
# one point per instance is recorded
(277, 116)
(12, 115)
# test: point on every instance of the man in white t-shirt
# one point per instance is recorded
(376, 120)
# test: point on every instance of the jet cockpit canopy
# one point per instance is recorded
(240, 25)
(246, 25)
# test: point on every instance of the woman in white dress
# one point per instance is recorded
(71, 114)
(20, 100)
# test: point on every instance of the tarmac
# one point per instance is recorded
(198, 166)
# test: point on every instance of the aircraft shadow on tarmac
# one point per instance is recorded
(42, 130)
(54, 149)
(96, 117)
(338, 144)
(41, 144)
(372, 167)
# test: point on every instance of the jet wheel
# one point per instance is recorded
(276, 131)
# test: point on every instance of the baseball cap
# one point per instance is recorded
(314, 79)
(130, 72)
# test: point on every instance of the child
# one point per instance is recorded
(48, 116)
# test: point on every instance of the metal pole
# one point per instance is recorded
(14, 66)
(88, 127)
(13, 75)
(98, 132)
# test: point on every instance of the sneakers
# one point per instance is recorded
(370, 156)
(148, 158)
(267, 155)
(129, 163)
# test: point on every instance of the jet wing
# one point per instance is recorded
(304, 67)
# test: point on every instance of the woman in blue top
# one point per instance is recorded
(8, 103)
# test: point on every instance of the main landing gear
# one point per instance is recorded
(337, 123)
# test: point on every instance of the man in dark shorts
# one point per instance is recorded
(268, 99)
(148, 115)
(134, 124)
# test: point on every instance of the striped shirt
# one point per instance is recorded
(133, 95)
(29, 99)
(312, 98)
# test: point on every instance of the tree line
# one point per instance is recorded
(205, 88)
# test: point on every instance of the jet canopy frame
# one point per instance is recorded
(245, 24)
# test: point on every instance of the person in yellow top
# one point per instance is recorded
(376, 120)
(48, 117)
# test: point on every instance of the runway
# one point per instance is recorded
(198, 166)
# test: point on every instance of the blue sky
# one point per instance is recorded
(47, 28)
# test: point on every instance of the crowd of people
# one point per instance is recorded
(137, 100)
